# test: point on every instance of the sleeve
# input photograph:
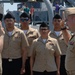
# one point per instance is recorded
(37, 32)
(33, 49)
(24, 42)
(57, 48)
(72, 43)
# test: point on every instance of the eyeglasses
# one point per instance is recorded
(57, 20)
(43, 29)
(24, 19)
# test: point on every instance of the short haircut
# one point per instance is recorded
(9, 15)
(1, 16)
(43, 24)
(57, 17)
(24, 15)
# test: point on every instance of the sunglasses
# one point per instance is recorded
(24, 19)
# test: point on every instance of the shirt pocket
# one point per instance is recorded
(70, 47)
(16, 41)
(40, 49)
(50, 49)
(71, 50)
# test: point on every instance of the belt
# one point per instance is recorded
(70, 72)
(10, 59)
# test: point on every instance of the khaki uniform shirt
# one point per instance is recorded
(70, 55)
(13, 44)
(44, 54)
(60, 40)
(31, 35)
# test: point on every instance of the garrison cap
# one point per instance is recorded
(9, 15)
(43, 24)
(57, 16)
(24, 15)
(70, 11)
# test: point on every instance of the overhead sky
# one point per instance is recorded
(8, 6)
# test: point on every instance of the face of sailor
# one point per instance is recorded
(9, 22)
(70, 22)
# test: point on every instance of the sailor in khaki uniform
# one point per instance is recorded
(31, 34)
(1, 42)
(57, 34)
(14, 49)
(70, 40)
(45, 54)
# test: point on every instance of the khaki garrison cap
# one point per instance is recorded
(70, 11)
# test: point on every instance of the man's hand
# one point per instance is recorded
(62, 24)
(58, 72)
(1, 29)
(22, 71)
